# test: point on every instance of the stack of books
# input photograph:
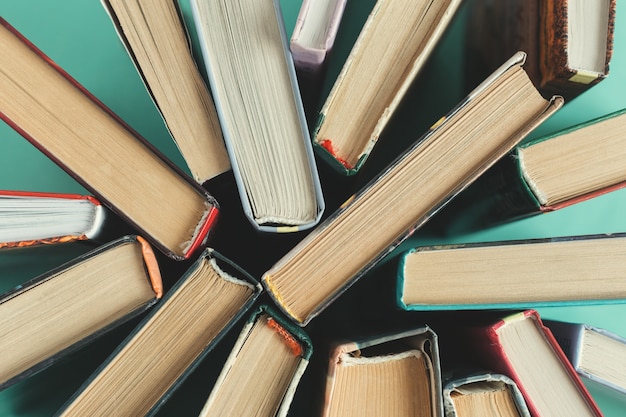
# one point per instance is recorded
(312, 208)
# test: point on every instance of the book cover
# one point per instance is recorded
(522, 184)
(170, 342)
(309, 51)
(594, 352)
(239, 377)
(510, 344)
(272, 160)
(77, 314)
(311, 44)
(392, 47)
(129, 192)
(156, 39)
(378, 349)
(559, 271)
(362, 231)
(562, 60)
(459, 384)
(570, 44)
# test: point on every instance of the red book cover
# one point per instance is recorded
(497, 351)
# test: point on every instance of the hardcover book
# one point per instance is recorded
(311, 43)
(569, 42)
(29, 218)
(168, 344)
(444, 161)
(393, 46)
(597, 354)
(573, 270)
(155, 38)
(60, 311)
(483, 394)
(121, 169)
(522, 348)
(253, 81)
(396, 374)
(263, 370)
(545, 174)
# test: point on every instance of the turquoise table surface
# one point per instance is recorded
(79, 36)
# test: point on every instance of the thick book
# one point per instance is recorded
(79, 133)
(155, 37)
(392, 47)
(483, 394)
(569, 43)
(253, 81)
(545, 174)
(521, 347)
(60, 311)
(262, 372)
(395, 374)
(452, 154)
(311, 44)
(146, 368)
(572, 270)
(597, 354)
(29, 218)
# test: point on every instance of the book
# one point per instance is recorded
(545, 174)
(394, 374)
(29, 218)
(56, 313)
(155, 38)
(595, 353)
(245, 50)
(483, 394)
(262, 372)
(79, 133)
(522, 348)
(572, 270)
(146, 368)
(392, 47)
(569, 43)
(311, 43)
(481, 129)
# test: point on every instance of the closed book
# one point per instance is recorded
(311, 44)
(155, 37)
(494, 395)
(444, 161)
(389, 374)
(29, 218)
(168, 343)
(545, 174)
(560, 271)
(58, 312)
(113, 162)
(522, 348)
(262, 372)
(392, 47)
(576, 45)
(252, 78)
(569, 43)
(597, 354)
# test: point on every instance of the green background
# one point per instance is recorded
(79, 36)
